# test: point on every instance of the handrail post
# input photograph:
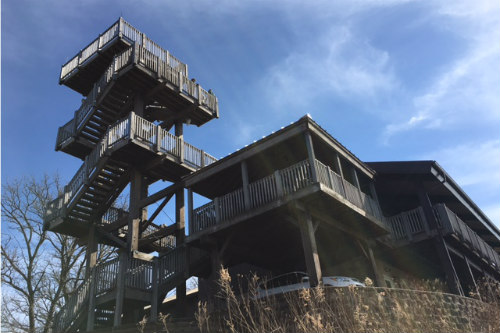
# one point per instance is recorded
(199, 94)
(279, 184)
(202, 164)
(330, 180)
(217, 210)
(158, 138)
(179, 75)
(131, 125)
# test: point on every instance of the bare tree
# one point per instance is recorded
(39, 269)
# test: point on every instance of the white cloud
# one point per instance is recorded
(337, 63)
(467, 90)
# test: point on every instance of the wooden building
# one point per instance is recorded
(296, 200)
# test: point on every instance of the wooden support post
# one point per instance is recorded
(180, 220)
(311, 156)
(246, 192)
(153, 315)
(310, 250)
(357, 184)
(179, 132)
(120, 288)
(338, 165)
(138, 190)
(473, 280)
(440, 244)
(139, 105)
(379, 277)
(190, 211)
(91, 302)
(91, 251)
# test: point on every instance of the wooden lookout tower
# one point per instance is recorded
(128, 131)
(296, 200)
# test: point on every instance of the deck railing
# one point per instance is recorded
(407, 225)
(132, 127)
(122, 29)
(270, 188)
(452, 224)
(151, 61)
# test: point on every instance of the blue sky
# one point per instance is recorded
(390, 79)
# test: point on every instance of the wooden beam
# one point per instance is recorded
(146, 223)
(310, 250)
(170, 190)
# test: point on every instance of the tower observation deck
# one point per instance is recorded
(128, 130)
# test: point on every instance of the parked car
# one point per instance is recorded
(299, 280)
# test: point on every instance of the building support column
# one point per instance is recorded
(439, 243)
(379, 276)
(120, 287)
(180, 235)
(310, 250)
(91, 258)
(135, 213)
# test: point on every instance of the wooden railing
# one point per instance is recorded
(281, 183)
(407, 224)
(347, 190)
(132, 127)
(452, 224)
(74, 305)
(122, 29)
(151, 61)
(139, 275)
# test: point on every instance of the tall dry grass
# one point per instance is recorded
(420, 307)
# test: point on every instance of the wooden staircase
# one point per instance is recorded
(166, 272)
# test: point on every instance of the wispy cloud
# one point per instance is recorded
(467, 90)
(338, 63)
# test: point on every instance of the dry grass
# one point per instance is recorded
(420, 307)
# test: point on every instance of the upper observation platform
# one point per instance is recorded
(81, 72)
